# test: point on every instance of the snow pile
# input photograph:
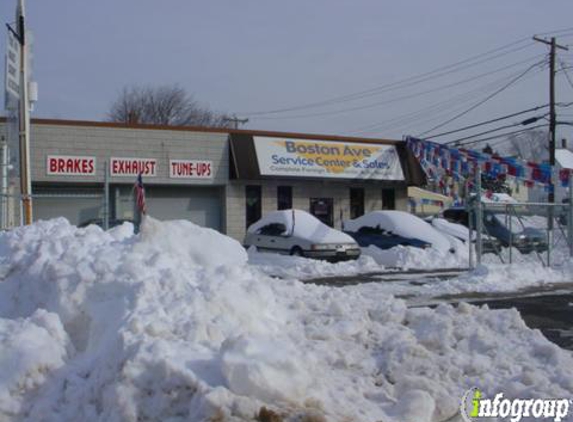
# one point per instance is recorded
(301, 268)
(405, 257)
(173, 325)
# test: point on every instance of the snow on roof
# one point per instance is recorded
(305, 225)
(172, 324)
(564, 157)
(401, 223)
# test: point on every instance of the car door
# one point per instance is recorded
(271, 238)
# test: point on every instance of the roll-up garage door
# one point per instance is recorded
(200, 205)
(78, 205)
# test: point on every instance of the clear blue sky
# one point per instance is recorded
(246, 56)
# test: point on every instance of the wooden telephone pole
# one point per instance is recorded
(552, 117)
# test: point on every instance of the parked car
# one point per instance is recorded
(524, 234)
(386, 229)
(297, 232)
(489, 243)
(112, 222)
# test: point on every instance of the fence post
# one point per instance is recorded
(469, 208)
(570, 216)
(105, 196)
(507, 206)
(479, 216)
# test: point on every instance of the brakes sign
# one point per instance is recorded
(190, 169)
(70, 165)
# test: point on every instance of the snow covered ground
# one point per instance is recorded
(175, 325)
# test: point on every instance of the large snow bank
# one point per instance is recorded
(172, 325)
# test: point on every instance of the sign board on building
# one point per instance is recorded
(12, 72)
(190, 169)
(132, 166)
(70, 165)
(328, 159)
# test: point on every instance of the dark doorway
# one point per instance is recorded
(253, 204)
(388, 199)
(356, 202)
(284, 197)
(323, 209)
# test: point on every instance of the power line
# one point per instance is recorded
(489, 97)
(456, 102)
(501, 135)
(405, 97)
(566, 74)
(508, 116)
(533, 119)
(442, 71)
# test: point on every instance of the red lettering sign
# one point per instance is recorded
(70, 166)
(190, 169)
(133, 166)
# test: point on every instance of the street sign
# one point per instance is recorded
(12, 81)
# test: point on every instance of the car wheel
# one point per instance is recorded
(296, 251)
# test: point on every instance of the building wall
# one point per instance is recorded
(302, 191)
(106, 142)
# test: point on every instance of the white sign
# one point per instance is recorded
(12, 81)
(70, 165)
(190, 169)
(327, 159)
(133, 166)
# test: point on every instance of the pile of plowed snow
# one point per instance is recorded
(173, 325)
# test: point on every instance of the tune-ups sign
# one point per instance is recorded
(190, 169)
(70, 165)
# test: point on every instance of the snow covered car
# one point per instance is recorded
(400, 223)
(489, 243)
(296, 232)
(524, 235)
(377, 236)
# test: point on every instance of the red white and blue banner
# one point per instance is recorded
(440, 161)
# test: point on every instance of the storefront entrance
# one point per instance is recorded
(323, 209)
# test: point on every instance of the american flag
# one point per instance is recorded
(140, 195)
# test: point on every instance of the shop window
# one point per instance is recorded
(323, 209)
(388, 199)
(356, 202)
(253, 204)
(284, 197)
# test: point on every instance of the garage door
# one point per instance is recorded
(77, 205)
(202, 206)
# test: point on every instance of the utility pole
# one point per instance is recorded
(552, 129)
(236, 121)
(24, 116)
(552, 117)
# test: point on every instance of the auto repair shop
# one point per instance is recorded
(220, 178)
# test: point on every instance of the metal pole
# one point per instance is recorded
(510, 233)
(105, 196)
(570, 216)
(4, 208)
(469, 207)
(24, 120)
(479, 216)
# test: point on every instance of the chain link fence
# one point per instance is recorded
(521, 231)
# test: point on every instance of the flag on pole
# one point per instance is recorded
(140, 205)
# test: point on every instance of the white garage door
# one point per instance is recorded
(202, 206)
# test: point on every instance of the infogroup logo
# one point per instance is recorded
(474, 406)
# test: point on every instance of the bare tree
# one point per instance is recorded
(532, 145)
(163, 105)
